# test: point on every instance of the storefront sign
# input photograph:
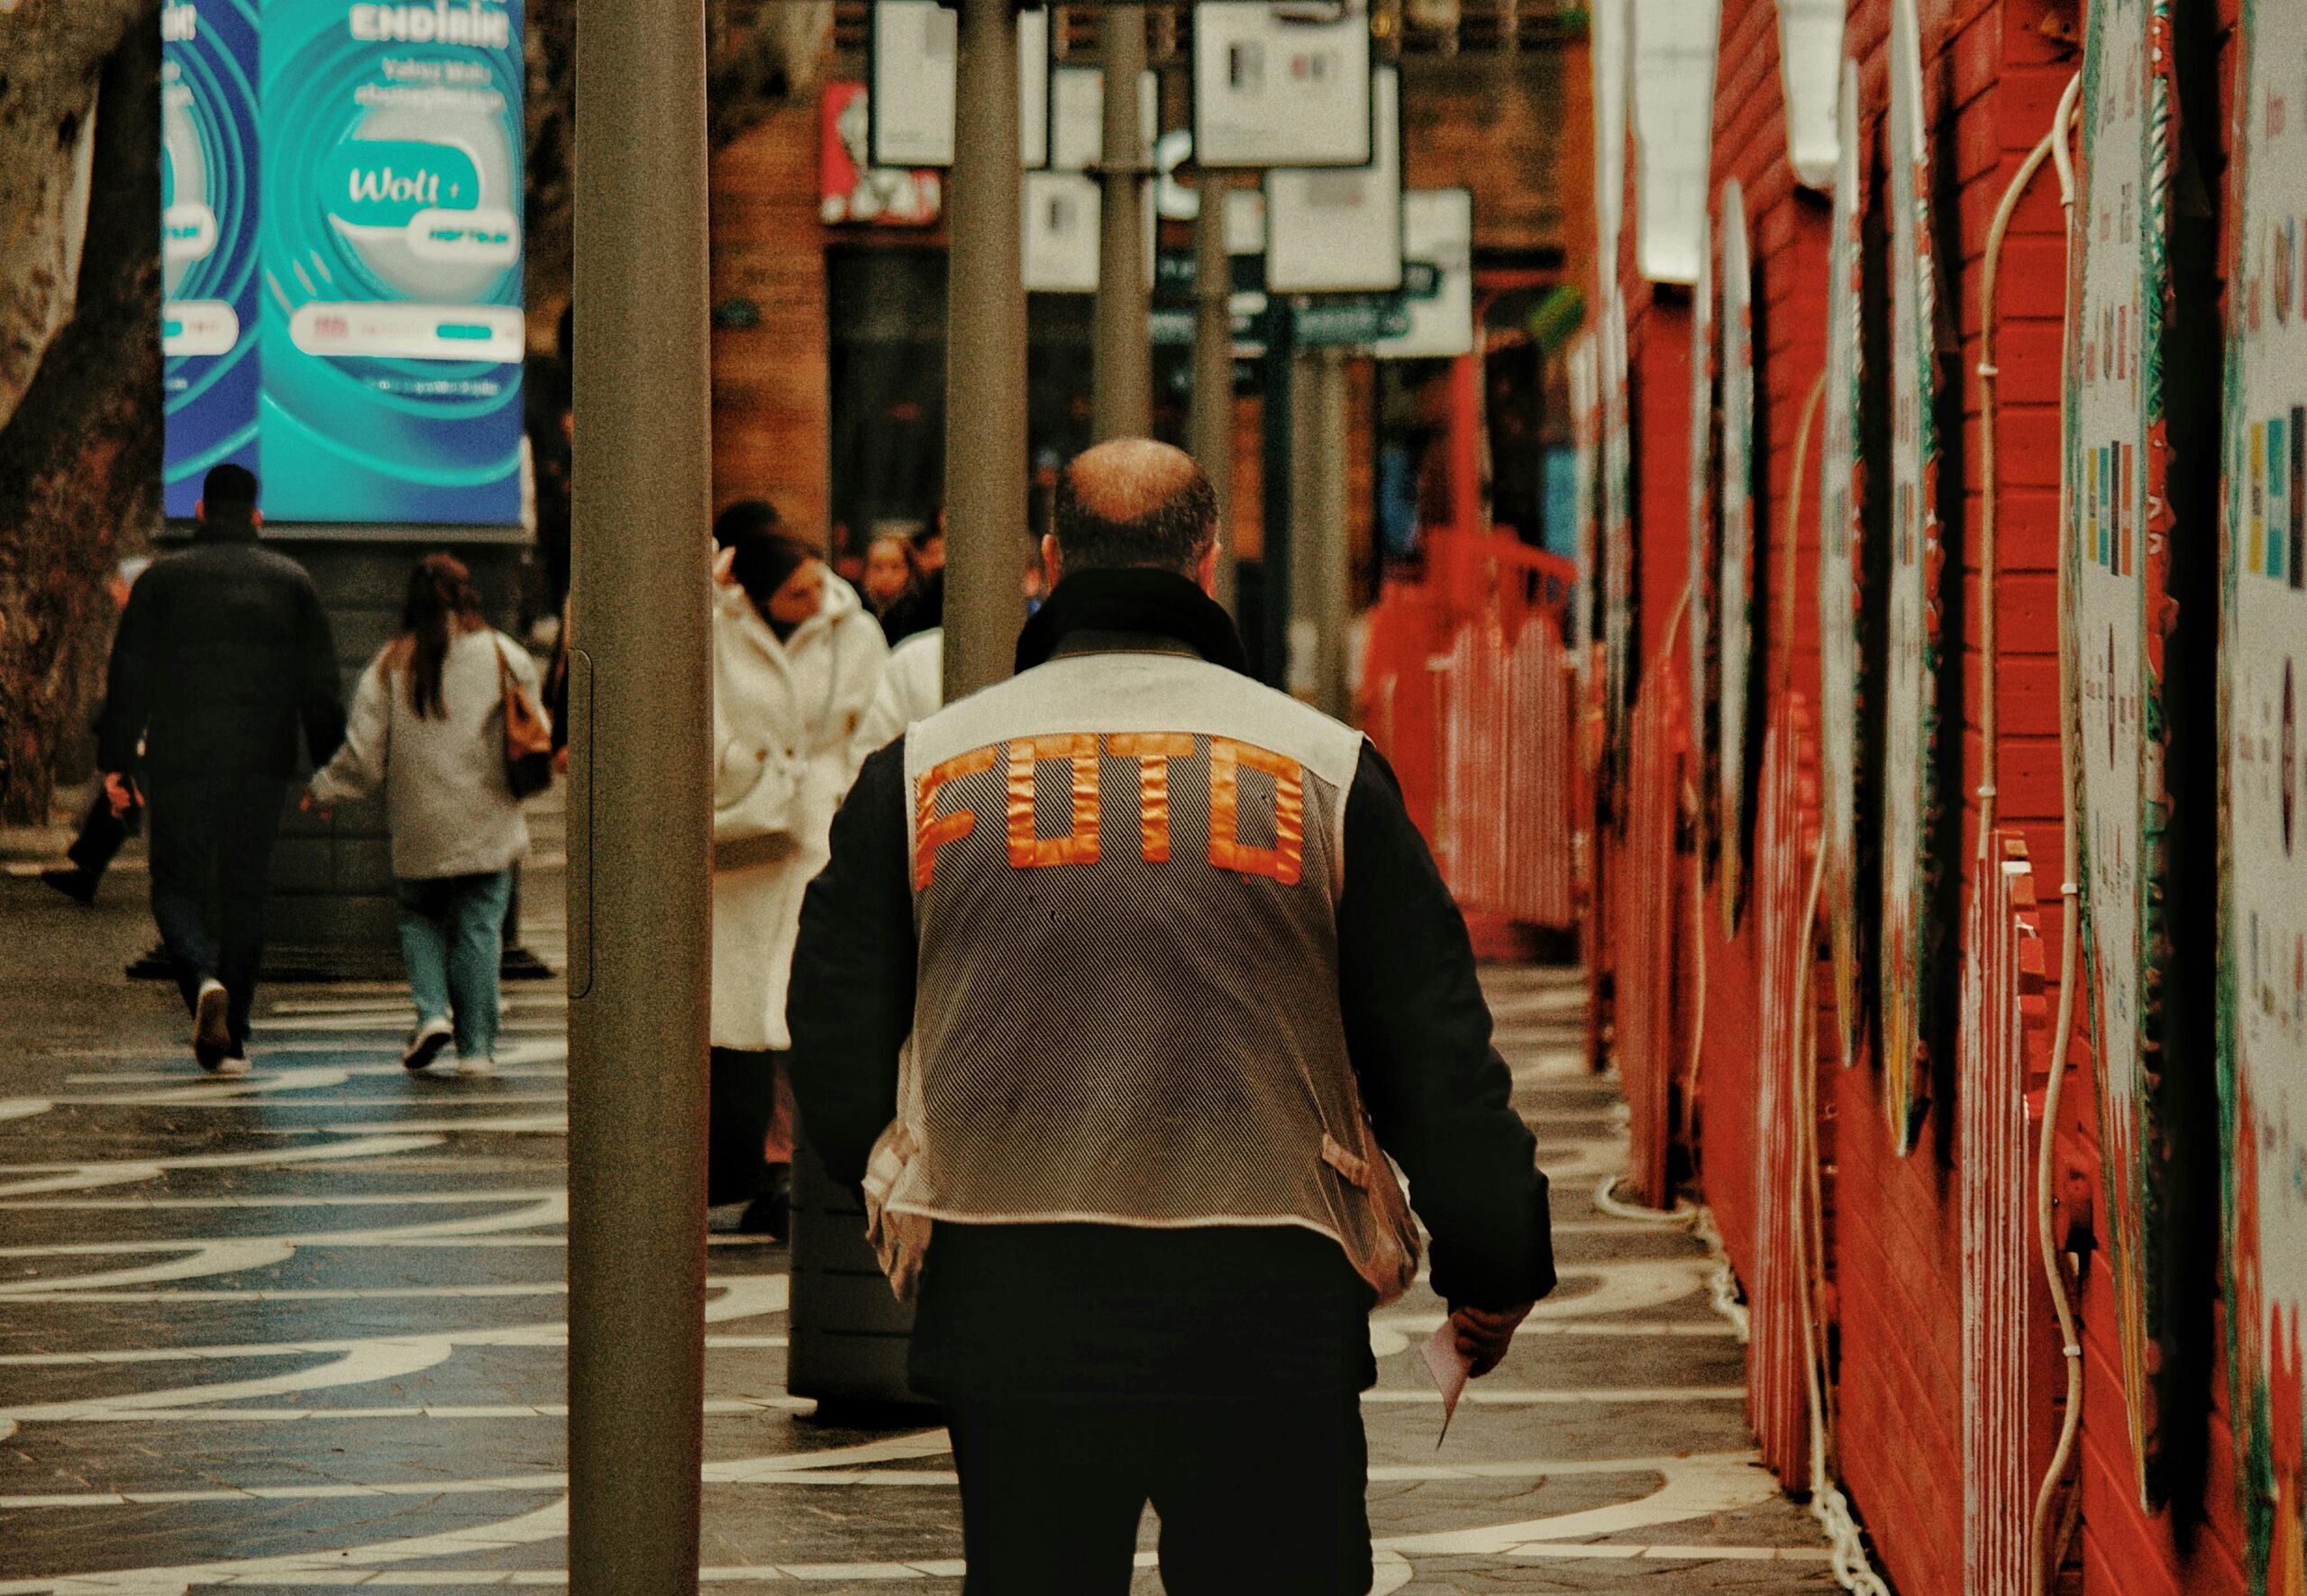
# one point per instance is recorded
(911, 49)
(209, 74)
(1735, 624)
(392, 330)
(1330, 232)
(1705, 544)
(2263, 996)
(851, 189)
(1674, 46)
(1274, 89)
(2117, 558)
(1610, 24)
(1437, 276)
(1842, 475)
(1912, 938)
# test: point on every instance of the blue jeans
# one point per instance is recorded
(452, 938)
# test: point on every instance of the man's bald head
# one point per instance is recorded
(1135, 502)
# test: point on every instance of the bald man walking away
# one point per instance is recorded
(1158, 937)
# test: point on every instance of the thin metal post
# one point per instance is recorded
(1122, 390)
(1275, 586)
(1211, 422)
(640, 806)
(985, 359)
(1321, 545)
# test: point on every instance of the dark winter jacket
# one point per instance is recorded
(222, 653)
(1096, 1307)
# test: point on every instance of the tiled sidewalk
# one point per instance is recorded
(304, 1330)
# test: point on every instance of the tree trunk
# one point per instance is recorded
(80, 456)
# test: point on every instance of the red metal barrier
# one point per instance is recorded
(1785, 1099)
(1645, 935)
(2004, 1024)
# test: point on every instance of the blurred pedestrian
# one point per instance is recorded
(224, 654)
(428, 727)
(888, 574)
(797, 661)
(1108, 966)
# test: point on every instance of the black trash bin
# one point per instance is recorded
(849, 1332)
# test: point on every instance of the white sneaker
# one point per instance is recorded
(483, 1065)
(426, 1044)
(212, 1026)
(233, 1063)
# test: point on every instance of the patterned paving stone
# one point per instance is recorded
(306, 1331)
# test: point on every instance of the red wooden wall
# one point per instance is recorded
(1993, 72)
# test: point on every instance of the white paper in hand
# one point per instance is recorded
(1450, 1369)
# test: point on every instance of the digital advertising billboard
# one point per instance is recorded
(208, 241)
(373, 375)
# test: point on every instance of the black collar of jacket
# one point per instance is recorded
(1121, 606)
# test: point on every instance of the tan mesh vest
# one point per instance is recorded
(1125, 870)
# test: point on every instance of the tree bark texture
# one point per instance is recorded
(80, 452)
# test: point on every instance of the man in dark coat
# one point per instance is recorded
(223, 655)
(1157, 936)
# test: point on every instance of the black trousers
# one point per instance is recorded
(1257, 1497)
(741, 1097)
(212, 841)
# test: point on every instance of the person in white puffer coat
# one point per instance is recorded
(797, 659)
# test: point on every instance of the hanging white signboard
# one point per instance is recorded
(1062, 211)
(1810, 69)
(1698, 614)
(1333, 231)
(1912, 938)
(1609, 57)
(1735, 622)
(1674, 57)
(1438, 231)
(2116, 561)
(1841, 501)
(1272, 89)
(911, 49)
(1077, 117)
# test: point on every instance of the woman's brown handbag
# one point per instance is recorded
(528, 735)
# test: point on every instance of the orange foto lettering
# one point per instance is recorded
(932, 830)
(1155, 752)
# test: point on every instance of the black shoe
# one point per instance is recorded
(76, 884)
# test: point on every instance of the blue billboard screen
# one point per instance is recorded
(384, 315)
(208, 241)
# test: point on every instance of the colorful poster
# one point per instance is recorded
(1911, 937)
(1842, 469)
(1735, 587)
(1698, 605)
(392, 328)
(2116, 561)
(1618, 560)
(208, 243)
(2263, 965)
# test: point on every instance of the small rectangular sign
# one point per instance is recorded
(1271, 88)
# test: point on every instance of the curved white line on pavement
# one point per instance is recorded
(199, 1258)
(1695, 1487)
(1633, 1285)
(83, 1177)
(205, 1258)
(357, 1364)
(510, 1124)
(23, 1108)
(715, 1408)
(378, 1199)
(461, 1100)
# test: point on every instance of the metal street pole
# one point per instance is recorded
(1275, 586)
(1211, 423)
(985, 358)
(1322, 591)
(1122, 397)
(640, 806)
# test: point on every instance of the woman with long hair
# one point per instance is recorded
(797, 661)
(428, 727)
